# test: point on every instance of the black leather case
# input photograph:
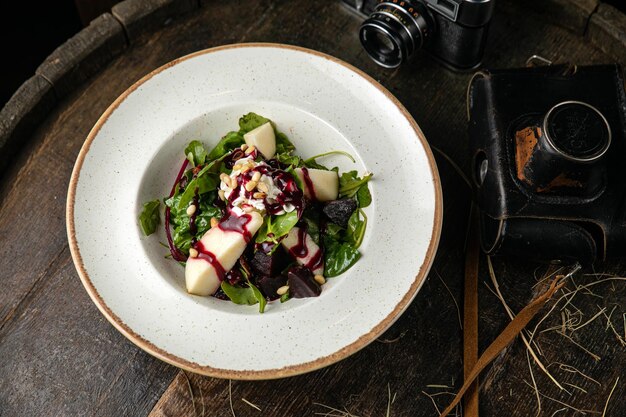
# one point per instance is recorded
(519, 222)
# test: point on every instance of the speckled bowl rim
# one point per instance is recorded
(292, 370)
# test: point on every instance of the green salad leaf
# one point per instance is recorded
(356, 228)
(149, 218)
(350, 183)
(239, 295)
(249, 295)
(251, 121)
(229, 142)
(363, 196)
(203, 183)
(275, 227)
(288, 159)
(259, 297)
(179, 220)
(283, 144)
(339, 257)
(195, 153)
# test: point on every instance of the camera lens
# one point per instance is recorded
(394, 31)
(577, 130)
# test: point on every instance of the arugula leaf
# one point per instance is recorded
(356, 228)
(363, 196)
(195, 153)
(182, 237)
(312, 161)
(350, 183)
(339, 257)
(149, 218)
(239, 295)
(204, 182)
(288, 159)
(284, 297)
(259, 297)
(229, 142)
(251, 121)
(276, 226)
(283, 144)
(312, 219)
(333, 231)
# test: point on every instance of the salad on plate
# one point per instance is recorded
(253, 222)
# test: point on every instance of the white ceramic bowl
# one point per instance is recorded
(134, 151)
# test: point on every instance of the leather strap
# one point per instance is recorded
(470, 314)
(506, 337)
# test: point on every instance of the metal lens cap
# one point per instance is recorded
(577, 130)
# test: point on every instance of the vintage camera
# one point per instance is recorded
(548, 148)
(453, 31)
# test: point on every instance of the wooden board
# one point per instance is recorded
(60, 355)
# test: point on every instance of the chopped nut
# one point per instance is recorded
(250, 149)
(263, 187)
(251, 185)
(214, 222)
(224, 177)
(221, 195)
(244, 146)
(256, 176)
(193, 253)
(191, 210)
(282, 290)
(244, 169)
(259, 195)
(320, 279)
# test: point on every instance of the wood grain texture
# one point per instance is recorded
(24, 111)
(144, 16)
(60, 355)
(570, 14)
(84, 54)
(607, 30)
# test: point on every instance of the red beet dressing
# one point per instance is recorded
(230, 223)
(233, 223)
(308, 183)
(301, 251)
(176, 253)
(212, 259)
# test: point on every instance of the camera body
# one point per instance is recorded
(453, 31)
(548, 145)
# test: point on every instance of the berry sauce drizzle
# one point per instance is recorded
(177, 254)
(233, 223)
(308, 183)
(208, 256)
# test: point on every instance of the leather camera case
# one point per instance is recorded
(522, 222)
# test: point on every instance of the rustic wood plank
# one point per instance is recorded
(570, 14)
(607, 30)
(143, 16)
(53, 320)
(84, 54)
(24, 111)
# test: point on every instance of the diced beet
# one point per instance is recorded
(270, 265)
(234, 276)
(269, 285)
(339, 211)
(220, 294)
(301, 283)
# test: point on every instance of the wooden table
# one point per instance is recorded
(58, 354)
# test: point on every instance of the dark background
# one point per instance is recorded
(29, 36)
